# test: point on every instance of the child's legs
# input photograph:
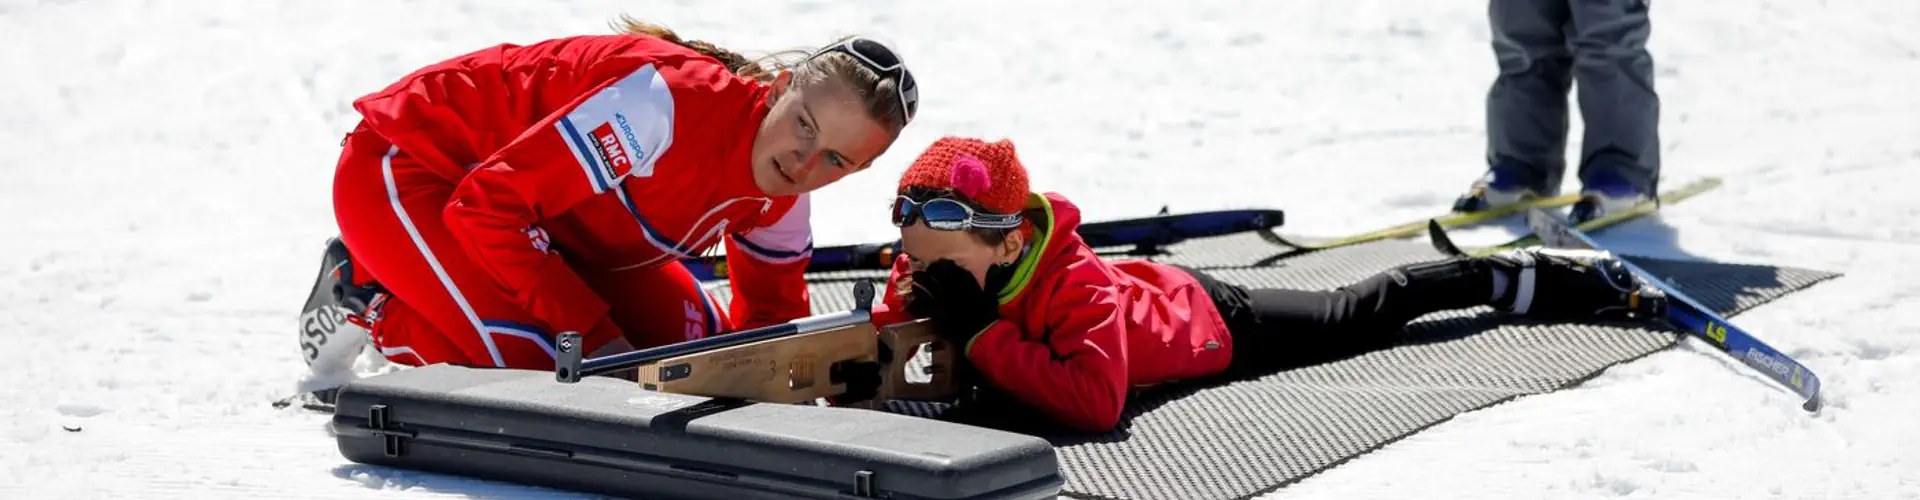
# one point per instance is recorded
(659, 305)
(1277, 328)
(443, 308)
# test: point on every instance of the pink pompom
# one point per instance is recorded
(970, 176)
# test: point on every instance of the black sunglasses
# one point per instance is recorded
(877, 57)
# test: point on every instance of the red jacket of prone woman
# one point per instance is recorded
(1077, 333)
(616, 151)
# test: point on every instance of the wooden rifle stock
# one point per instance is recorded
(799, 361)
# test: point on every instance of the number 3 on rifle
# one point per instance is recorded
(1717, 332)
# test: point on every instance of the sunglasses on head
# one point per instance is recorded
(947, 214)
(882, 60)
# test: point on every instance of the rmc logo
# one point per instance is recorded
(611, 151)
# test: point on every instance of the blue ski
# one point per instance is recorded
(1687, 314)
(1139, 236)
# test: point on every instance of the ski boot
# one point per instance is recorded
(1600, 202)
(1572, 284)
(1605, 194)
(334, 323)
(1503, 184)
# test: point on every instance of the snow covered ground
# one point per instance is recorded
(166, 166)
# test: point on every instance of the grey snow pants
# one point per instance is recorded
(1543, 48)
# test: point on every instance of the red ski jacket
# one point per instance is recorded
(1077, 332)
(599, 153)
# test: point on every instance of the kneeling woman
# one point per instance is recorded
(1000, 272)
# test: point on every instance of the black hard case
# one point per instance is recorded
(608, 436)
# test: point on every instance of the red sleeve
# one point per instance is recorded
(1078, 373)
(767, 269)
(892, 308)
(558, 164)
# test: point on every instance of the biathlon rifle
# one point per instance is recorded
(830, 356)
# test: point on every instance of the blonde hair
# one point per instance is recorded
(878, 93)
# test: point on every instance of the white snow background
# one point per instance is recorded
(165, 171)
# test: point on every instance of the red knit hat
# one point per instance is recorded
(989, 174)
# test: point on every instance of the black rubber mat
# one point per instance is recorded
(1241, 438)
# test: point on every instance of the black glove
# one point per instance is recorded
(948, 296)
(862, 379)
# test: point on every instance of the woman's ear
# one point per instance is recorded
(779, 85)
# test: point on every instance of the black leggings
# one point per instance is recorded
(1275, 328)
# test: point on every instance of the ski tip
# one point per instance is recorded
(1437, 236)
(1814, 400)
(1274, 237)
(1551, 230)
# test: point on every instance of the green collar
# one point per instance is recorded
(1030, 256)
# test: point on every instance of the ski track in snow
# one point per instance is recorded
(168, 166)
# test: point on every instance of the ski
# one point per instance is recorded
(824, 259)
(1674, 195)
(1148, 235)
(1299, 246)
(1686, 314)
(1138, 236)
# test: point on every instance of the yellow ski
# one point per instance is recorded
(1415, 228)
(1674, 195)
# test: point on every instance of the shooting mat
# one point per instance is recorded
(1239, 439)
